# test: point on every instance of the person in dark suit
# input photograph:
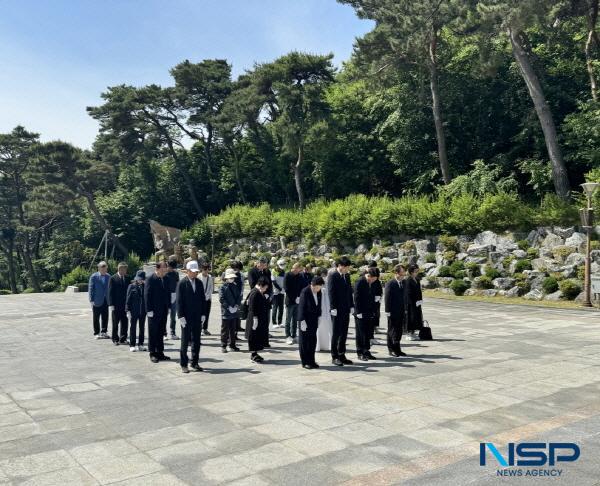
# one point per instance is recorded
(363, 317)
(172, 278)
(191, 312)
(136, 311)
(377, 292)
(158, 302)
(309, 311)
(414, 302)
(261, 269)
(257, 322)
(341, 306)
(395, 310)
(117, 295)
(98, 296)
(292, 285)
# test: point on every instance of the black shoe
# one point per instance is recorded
(154, 359)
(185, 369)
(206, 332)
(345, 360)
(307, 367)
(234, 348)
(267, 346)
(123, 341)
(223, 350)
(116, 343)
(197, 367)
(362, 357)
(315, 365)
(401, 353)
(337, 362)
(369, 356)
(394, 354)
(164, 357)
(257, 358)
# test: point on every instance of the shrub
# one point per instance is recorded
(550, 285)
(449, 255)
(445, 271)
(473, 269)
(556, 211)
(75, 276)
(570, 288)
(532, 253)
(456, 266)
(5, 292)
(484, 282)
(459, 286)
(28, 290)
(523, 245)
(522, 265)
(562, 252)
(48, 286)
(430, 258)
(524, 286)
(450, 243)
(491, 272)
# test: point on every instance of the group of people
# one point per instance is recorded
(318, 307)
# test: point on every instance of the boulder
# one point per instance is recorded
(472, 291)
(480, 250)
(476, 259)
(503, 283)
(576, 240)
(497, 256)
(569, 271)
(545, 264)
(534, 294)
(428, 266)
(576, 259)
(536, 236)
(72, 289)
(323, 250)
(444, 282)
(520, 254)
(461, 256)
(422, 247)
(512, 292)
(428, 283)
(433, 272)
(554, 296)
(551, 240)
(500, 243)
(563, 232)
(489, 292)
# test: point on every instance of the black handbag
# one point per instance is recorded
(425, 332)
(244, 309)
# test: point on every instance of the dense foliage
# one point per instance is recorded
(450, 117)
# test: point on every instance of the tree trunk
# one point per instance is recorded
(25, 251)
(297, 176)
(10, 260)
(236, 172)
(559, 171)
(437, 109)
(102, 222)
(592, 38)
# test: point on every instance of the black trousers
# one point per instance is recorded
(207, 313)
(119, 316)
(100, 312)
(375, 319)
(339, 334)
(190, 333)
(156, 329)
(363, 330)
(277, 316)
(135, 323)
(229, 332)
(394, 334)
(307, 343)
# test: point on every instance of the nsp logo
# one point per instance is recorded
(531, 453)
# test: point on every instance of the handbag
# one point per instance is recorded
(425, 332)
(244, 309)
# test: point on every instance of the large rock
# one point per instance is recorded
(554, 296)
(564, 232)
(323, 250)
(500, 243)
(428, 283)
(503, 283)
(72, 289)
(545, 264)
(576, 259)
(472, 291)
(479, 260)
(569, 271)
(520, 254)
(576, 240)
(534, 294)
(489, 292)
(512, 292)
(423, 247)
(480, 250)
(444, 282)
(552, 240)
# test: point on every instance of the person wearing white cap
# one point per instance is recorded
(229, 297)
(277, 277)
(191, 312)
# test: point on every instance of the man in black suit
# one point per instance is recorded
(292, 285)
(261, 269)
(191, 311)
(364, 304)
(341, 305)
(309, 311)
(158, 301)
(117, 295)
(395, 310)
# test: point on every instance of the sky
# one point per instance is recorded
(58, 56)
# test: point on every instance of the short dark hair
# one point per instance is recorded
(172, 263)
(160, 263)
(317, 281)
(205, 266)
(321, 271)
(122, 264)
(398, 267)
(343, 262)
(372, 264)
(262, 282)
(412, 267)
(373, 272)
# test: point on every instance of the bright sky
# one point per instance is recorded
(56, 57)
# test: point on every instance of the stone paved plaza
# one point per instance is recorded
(74, 410)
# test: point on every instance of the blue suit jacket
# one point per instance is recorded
(98, 288)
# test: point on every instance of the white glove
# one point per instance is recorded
(359, 316)
(202, 319)
(333, 312)
(232, 310)
(419, 303)
(387, 314)
(297, 300)
(182, 321)
(378, 298)
(111, 308)
(255, 324)
(150, 314)
(352, 310)
(303, 326)
(129, 315)
(173, 297)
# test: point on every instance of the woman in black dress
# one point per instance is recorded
(414, 301)
(257, 323)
